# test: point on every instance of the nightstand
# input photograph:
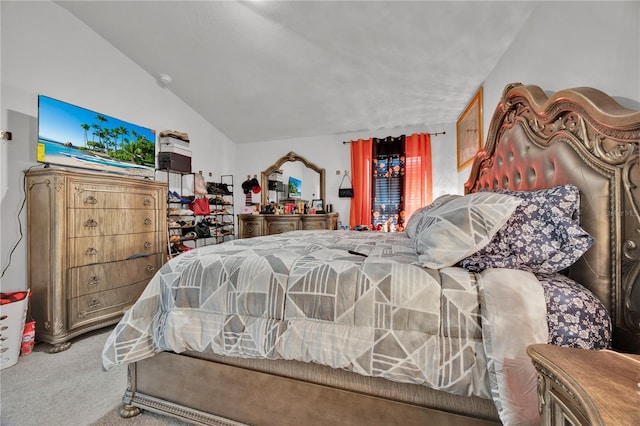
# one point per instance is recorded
(584, 387)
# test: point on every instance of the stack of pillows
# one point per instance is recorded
(537, 231)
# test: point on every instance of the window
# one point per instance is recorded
(391, 179)
(387, 198)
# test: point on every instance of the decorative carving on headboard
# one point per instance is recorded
(603, 136)
(631, 245)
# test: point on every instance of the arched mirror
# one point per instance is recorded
(298, 167)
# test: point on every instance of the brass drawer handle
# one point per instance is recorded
(147, 244)
(94, 280)
(91, 223)
(147, 202)
(151, 268)
(148, 221)
(91, 251)
(91, 200)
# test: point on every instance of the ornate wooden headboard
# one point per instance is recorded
(583, 137)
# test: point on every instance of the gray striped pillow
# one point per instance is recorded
(461, 226)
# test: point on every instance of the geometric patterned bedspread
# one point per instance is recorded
(345, 299)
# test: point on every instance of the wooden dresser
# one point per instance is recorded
(258, 225)
(583, 387)
(94, 242)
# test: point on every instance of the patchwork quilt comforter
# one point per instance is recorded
(351, 300)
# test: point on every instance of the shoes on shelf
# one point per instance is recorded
(180, 212)
(187, 223)
(182, 247)
(173, 224)
(210, 221)
(218, 188)
(219, 201)
(220, 211)
(173, 198)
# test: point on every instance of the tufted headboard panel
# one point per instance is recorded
(581, 137)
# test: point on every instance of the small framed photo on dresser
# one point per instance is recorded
(317, 205)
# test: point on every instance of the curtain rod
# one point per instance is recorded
(430, 134)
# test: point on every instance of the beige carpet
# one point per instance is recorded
(68, 388)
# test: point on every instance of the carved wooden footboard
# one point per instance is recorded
(206, 392)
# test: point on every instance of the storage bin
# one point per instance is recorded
(13, 313)
(173, 161)
(174, 141)
(177, 149)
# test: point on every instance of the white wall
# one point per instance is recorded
(330, 153)
(572, 44)
(46, 50)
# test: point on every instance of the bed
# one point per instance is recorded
(428, 326)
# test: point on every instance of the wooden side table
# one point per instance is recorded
(584, 387)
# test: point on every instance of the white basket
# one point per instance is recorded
(12, 318)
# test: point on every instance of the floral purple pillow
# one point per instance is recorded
(543, 234)
(575, 316)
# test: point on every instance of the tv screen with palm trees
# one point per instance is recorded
(72, 136)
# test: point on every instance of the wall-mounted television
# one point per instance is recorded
(295, 187)
(69, 135)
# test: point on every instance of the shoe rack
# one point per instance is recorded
(181, 220)
(222, 218)
(182, 234)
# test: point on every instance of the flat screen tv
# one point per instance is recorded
(295, 187)
(72, 136)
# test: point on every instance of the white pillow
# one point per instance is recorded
(461, 226)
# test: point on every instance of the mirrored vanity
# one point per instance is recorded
(291, 181)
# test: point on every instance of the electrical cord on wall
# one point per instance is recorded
(24, 200)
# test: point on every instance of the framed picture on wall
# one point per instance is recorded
(469, 131)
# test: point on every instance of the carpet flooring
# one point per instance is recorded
(68, 388)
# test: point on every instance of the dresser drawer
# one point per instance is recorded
(102, 305)
(88, 250)
(282, 224)
(311, 222)
(92, 222)
(106, 276)
(250, 226)
(100, 196)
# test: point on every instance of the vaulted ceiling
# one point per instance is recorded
(268, 70)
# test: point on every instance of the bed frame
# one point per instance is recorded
(579, 136)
